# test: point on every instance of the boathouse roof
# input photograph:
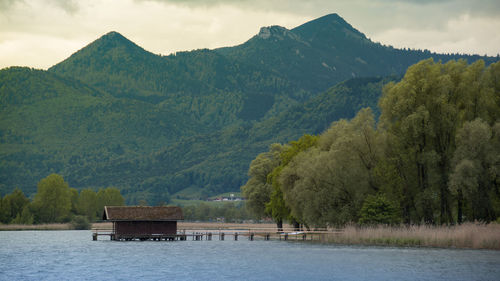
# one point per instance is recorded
(142, 213)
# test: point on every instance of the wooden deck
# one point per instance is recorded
(222, 234)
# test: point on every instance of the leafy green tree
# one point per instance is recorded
(422, 114)
(25, 217)
(74, 200)
(437, 142)
(52, 202)
(277, 206)
(472, 180)
(3, 212)
(87, 204)
(379, 210)
(258, 190)
(110, 196)
(326, 185)
(13, 205)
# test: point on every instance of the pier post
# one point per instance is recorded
(209, 236)
(94, 236)
(286, 236)
(251, 237)
(267, 236)
(221, 236)
(236, 236)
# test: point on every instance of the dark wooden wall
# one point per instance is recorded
(145, 227)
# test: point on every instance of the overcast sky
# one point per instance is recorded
(41, 33)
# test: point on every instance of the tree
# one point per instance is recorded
(25, 217)
(109, 197)
(326, 185)
(4, 217)
(437, 142)
(421, 115)
(87, 204)
(257, 189)
(378, 210)
(471, 180)
(13, 205)
(74, 200)
(52, 202)
(277, 206)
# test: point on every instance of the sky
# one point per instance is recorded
(42, 33)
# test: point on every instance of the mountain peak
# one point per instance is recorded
(330, 18)
(331, 25)
(109, 47)
(114, 39)
(113, 35)
(276, 32)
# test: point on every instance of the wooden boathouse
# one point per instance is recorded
(142, 223)
(160, 224)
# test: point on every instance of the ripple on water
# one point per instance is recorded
(72, 255)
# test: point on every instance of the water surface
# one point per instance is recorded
(72, 255)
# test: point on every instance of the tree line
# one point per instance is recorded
(56, 202)
(432, 157)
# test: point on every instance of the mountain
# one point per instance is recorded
(50, 124)
(199, 77)
(187, 124)
(325, 51)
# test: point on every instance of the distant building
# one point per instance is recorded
(138, 222)
(226, 198)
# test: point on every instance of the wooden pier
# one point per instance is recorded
(221, 234)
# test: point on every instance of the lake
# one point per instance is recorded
(72, 255)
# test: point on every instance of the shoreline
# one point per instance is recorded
(465, 236)
(181, 225)
(24, 227)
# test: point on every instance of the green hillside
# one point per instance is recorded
(114, 114)
(50, 124)
(325, 51)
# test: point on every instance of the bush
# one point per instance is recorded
(80, 223)
(378, 210)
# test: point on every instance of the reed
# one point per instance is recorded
(50, 226)
(467, 235)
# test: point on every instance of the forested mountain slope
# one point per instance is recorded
(114, 114)
(325, 51)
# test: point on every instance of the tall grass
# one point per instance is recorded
(50, 226)
(467, 235)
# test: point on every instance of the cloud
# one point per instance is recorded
(450, 39)
(70, 6)
(41, 33)
(6, 4)
(491, 7)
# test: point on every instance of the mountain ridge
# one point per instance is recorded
(156, 125)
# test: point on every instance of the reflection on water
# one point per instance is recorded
(72, 255)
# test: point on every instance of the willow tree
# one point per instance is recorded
(257, 189)
(327, 184)
(277, 205)
(473, 177)
(422, 114)
(263, 191)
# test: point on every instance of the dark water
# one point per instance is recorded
(71, 255)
